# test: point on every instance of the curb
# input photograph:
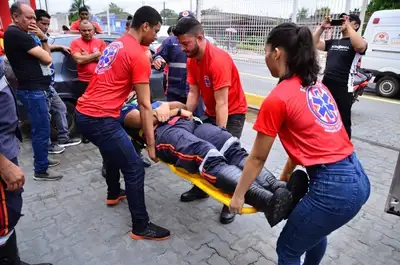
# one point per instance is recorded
(254, 101)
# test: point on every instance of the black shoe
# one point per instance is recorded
(226, 217)
(50, 175)
(70, 142)
(279, 206)
(85, 140)
(9, 253)
(152, 232)
(55, 149)
(53, 162)
(114, 200)
(193, 194)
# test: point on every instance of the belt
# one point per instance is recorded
(3, 83)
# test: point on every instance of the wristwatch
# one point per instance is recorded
(179, 112)
(44, 40)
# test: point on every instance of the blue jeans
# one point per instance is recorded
(58, 111)
(336, 194)
(116, 148)
(35, 103)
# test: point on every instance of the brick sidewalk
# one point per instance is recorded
(67, 222)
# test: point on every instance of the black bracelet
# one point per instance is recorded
(44, 41)
(179, 112)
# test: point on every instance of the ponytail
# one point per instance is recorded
(300, 51)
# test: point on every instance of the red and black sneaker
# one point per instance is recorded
(151, 232)
(114, 200)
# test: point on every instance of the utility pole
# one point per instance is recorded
(191, 5)
(45, 3)
(198, 10)
(165, 22)
(362, 14)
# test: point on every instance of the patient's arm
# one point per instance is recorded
(132, 120)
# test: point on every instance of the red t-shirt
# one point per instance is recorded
(85, 71)
(307, 121)
(123, 64)
(214, 71)
(75, 26)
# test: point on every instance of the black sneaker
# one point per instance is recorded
(152, 232)
(193, 194)
(70, 142)
(55, 149)
(50, 175)
(114, 200)
(53, 162)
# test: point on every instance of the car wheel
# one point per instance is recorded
(70, 118)
(388, 86)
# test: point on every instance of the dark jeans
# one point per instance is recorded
(234, 126)
(35, 103)
(198, 112)
(116, 148)
(336, 194)
(58, 111)
(10, 207)
(344, 101)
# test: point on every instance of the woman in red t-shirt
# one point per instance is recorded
(305, 116)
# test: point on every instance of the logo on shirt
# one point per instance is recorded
(207, 81)
(323, 107)
(108, 57)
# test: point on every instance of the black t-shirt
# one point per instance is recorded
(30, 73)
(342, 60)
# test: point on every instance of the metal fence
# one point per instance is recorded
(239, 26)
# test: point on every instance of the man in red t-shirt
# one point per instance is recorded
(86, 51)
(84, 15)
(212, 75)
(122, 68)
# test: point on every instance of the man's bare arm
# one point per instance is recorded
(221, 106)
(176, 105)
(43, 56)
(86, 58)
(319, 44)
(146, 112)
(193, 98)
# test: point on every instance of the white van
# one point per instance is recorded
(383, 54)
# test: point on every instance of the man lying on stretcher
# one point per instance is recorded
(216, 155)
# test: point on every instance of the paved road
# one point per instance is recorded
(67, 222)
(375, 119)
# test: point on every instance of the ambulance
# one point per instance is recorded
(383, 54)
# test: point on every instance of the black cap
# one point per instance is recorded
(186, 13)
(352, 17)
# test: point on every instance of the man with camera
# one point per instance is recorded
(343, 57)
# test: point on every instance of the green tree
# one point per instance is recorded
(210, 11)
(322, 12)
(302, 13)
(114, 8)
(169, 16)
(375, 5)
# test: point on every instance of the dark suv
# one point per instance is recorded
(66, 79)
